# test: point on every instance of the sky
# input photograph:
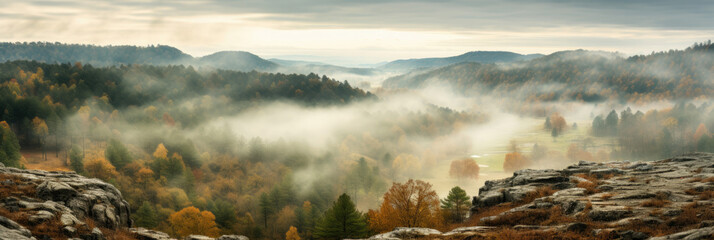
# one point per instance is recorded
(353, 32)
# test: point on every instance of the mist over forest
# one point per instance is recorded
(266, 145)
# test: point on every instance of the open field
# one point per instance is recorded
(490, 159)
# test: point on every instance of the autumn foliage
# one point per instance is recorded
(192, 221)
(100, 168)
(463, 169)
(515, 161)
(292, 234)
(410, 204)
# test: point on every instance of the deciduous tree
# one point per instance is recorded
(192, 221)
(464, 169)
(410, 204)
(515, 161)
(292, 234)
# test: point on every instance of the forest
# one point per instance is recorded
(201, 150)
(161, 134)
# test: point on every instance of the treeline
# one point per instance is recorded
(91, 54)
(583, 76)
(660, 134)
(53, 92)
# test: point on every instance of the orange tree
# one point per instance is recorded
(410, 204)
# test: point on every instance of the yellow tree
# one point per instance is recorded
(161, 151)
(192, 221)
(39, 127)
(292, 234)
(100, 168)
(410, 204)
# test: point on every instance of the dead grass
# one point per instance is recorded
(510, 234)
(34, 160)
(656, 212)
(475, 218)
(539, 193)
(21, 186)
(119, 234)
(692, 180)
(693, 213)
(691, 191)
(708, 180)
(660, 200)
(51, 229)
(544, 217)
(705, 195)
(590, 187)
(607, 196)
(657, 203)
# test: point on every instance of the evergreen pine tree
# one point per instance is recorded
(75, 159)
(611, 122)
(341, 221)
(456, 203)
(145, 216)
(266, 208)
(224, 212)
(10, 147)
(117, 154)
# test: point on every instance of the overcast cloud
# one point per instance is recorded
(364, 31)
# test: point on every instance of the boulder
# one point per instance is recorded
(56, 191)
(40, 217)
(609, 213)
(406, 233)
(232, 237)
(198, 237)
(694, 234)
(9, 229)
(146, 234)
(469, 230)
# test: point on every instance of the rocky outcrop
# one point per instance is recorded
(46, 205)
(63, 199)
(666, 199)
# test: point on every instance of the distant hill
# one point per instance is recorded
(305, 67)
(237, 61)
(161, 55)
(590, 76)
(91, 54)
(476, 57)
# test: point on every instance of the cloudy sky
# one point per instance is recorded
(363, 31)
